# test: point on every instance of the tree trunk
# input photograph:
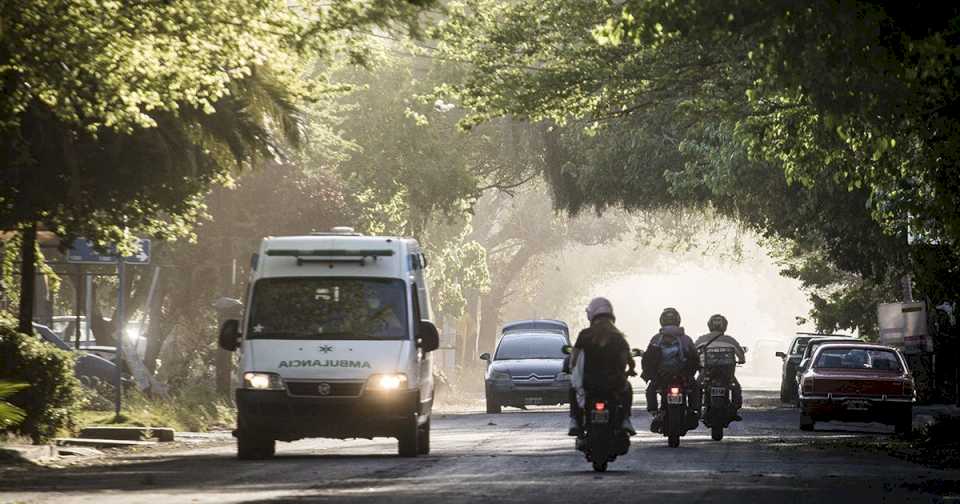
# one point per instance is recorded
(490, 306)
(28, 278)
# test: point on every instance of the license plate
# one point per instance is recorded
(718, 392)
(857, 405)
(674, 399)
(533, 400)
(600, 417)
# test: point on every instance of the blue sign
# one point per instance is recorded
(82, 252)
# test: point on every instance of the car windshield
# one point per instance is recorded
(799, 345)
(858, 358)
(328, 309)
(530, 347)
(814, 344)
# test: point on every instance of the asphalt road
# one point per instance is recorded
(517, 456)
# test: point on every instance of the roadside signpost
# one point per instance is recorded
(83, 252)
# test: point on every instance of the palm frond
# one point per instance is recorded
(9, 414)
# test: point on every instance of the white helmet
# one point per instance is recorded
(599, 306)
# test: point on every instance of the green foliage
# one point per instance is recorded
(742, 107)
(196, 408)
(191, 89)
(10, 415)
(54, 394)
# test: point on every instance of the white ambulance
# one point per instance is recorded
(335, 342)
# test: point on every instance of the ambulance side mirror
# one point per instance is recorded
(230, 335)
(428, 337)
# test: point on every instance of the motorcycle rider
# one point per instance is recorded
(717, 337)
(670, 351)
(608, 361)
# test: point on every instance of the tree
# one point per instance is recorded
(669, 104)
(193, 88)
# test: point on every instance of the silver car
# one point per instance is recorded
(527, 369)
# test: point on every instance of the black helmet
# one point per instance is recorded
(670, 316)
(717, 323)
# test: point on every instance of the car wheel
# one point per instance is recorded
(253, 447)
(407, 440)
(493, 407)
(806, 423)
(423, 441)
(785, 395)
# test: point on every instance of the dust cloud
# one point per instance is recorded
(761, 305)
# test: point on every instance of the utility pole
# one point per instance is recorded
(28, 277)
(118, 326)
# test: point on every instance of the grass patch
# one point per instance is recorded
(196, 409)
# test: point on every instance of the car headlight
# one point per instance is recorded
(500, 376)
(262, 381)
(390, 381)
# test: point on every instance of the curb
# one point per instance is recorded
(28, 453)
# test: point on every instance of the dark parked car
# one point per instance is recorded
(527, 369)
(791, 361)
(88, 366)
(857, 382)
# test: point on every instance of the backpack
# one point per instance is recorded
(672, 358)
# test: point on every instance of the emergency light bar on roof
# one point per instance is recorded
(330, 255)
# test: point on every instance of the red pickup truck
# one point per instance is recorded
(857, 382)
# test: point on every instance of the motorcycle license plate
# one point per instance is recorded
(600, 417)
(674, 399)
(857, 405)
(718, 392)
(533, 400)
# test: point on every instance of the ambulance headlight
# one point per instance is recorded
(262, 381)
(391, 381)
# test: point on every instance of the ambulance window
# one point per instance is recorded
(308, 308)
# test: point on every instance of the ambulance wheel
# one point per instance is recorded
(252, 447)
(423, 441)
(407, 440)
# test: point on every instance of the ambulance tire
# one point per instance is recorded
(423, 441)
(407, 439)
(252, 447)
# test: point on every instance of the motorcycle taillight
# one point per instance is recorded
(599, 406)
(674, 390)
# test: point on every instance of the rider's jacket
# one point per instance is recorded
(652, 357)
(723, 340)
(607, 355)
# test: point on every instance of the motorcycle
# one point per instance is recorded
(603, 439)
(602, 414)
(717, 379)
(674, 408)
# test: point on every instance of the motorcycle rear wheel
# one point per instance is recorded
(673, 440)
(716, 432)
(600, 466)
